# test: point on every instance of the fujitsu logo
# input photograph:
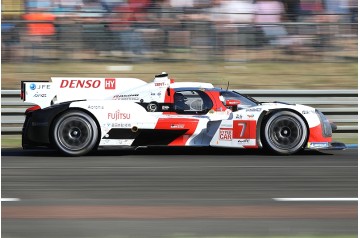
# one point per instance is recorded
(119, 116)
(80, 83)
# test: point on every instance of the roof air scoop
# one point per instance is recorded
(162, 80)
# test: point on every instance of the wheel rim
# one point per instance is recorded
(74, 133)
(285, 132)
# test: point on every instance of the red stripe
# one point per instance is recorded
(189, 124)
(244, 129)
(169, 99)
(215, 97)
(317, 136)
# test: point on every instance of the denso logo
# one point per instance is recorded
(119, 116)
(80, 83)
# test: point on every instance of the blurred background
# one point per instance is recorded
(249, 43)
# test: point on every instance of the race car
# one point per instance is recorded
(80, 115)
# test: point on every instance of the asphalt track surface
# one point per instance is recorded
(176, 192)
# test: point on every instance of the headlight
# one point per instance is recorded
(325, 124)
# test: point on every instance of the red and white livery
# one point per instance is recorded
(79, 115)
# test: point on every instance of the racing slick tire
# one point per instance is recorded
(284, 133)
(75, 133)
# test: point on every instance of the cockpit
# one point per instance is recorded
(192, 102)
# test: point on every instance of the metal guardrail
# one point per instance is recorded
(340, 106)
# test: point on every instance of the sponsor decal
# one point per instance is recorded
(165, 108)
(152, 107)
(107, 141)
(118, 115)
(80, 83)
(126, 97)
(121, 125)
(159, 94)
(250, 115)
(244, 141)
(225, 134)
(177, 126)
(110, 83)
(253, 110)
(95, 107)
(33, 86)
(238, 116)
(160, 84)
(40, 95)
(307, 112)
(318, 144)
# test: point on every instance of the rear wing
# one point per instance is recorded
(59, 90)
(22, 87)
(45, 93)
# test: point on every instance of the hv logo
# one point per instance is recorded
(110, 83)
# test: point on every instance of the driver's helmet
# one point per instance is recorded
(222, 99)
(178, 97)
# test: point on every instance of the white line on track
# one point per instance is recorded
(315, 199)
(10, 199)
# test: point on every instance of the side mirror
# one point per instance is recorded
(232, 102)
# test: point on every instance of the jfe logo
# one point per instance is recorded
(34, 86)
(110, 83)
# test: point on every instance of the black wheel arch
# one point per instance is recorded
(70, 109)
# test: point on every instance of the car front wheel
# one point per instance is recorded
(75, 133)
(284, 133)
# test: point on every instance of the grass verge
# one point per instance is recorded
(272, 75)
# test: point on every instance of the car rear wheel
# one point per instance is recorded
(75, 133)
(284, 132)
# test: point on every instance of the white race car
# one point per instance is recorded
(79, 115)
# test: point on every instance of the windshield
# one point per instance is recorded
(192, 102)
(245, 101)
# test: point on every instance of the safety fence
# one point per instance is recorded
(201, 40)
(340, 106)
